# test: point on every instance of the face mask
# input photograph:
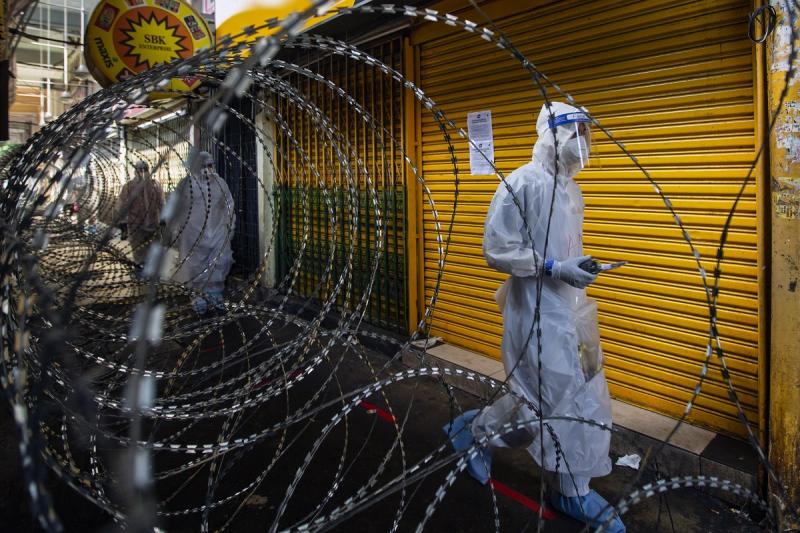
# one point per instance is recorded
(575, 152)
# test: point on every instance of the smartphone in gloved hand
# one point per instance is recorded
(593, 267)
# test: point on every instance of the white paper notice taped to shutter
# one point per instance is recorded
(481, 148)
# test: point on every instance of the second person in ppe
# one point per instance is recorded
(547, 206)
(202, 228)
(139, 207)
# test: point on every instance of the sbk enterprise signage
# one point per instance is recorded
(126, 37)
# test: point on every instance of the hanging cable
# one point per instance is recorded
(767, 26)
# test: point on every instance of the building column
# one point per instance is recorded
(265, 158)
(784, 374)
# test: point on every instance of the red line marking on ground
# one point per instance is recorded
(210, 348)
(263, 383)
(498, 486)
(533, 505)
(372, 408)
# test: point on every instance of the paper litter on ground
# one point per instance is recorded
(631, 461)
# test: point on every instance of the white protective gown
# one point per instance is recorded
(203, 229)
(568, 319)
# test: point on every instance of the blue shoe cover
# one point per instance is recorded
(461, 438)
(200, 306)
(459, 431)
(216, 300)
(588, 509)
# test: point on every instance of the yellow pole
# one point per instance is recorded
(414, 242)
(784, 386)
(764, 196)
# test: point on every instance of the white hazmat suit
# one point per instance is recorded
(565, 390)
(572, 380)
(202, 228)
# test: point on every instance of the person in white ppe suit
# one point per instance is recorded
(82, 199)
(202, 229)
(572, 380)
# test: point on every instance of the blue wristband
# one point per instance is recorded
(548, 266)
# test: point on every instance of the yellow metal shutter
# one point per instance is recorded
(675, 82)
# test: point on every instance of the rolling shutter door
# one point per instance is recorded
(672, 80)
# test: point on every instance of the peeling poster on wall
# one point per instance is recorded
(787, 136)
(786, 197)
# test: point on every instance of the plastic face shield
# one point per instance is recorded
(574, 130)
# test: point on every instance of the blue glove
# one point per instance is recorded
(569, 271)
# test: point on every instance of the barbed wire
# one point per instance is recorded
(119, 389)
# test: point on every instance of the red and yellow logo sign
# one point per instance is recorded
(126, 37)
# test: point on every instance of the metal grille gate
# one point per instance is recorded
(165, 141)
(381, 98)
(236, 165)
(169, 141)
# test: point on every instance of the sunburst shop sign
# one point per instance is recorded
(126, 37)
